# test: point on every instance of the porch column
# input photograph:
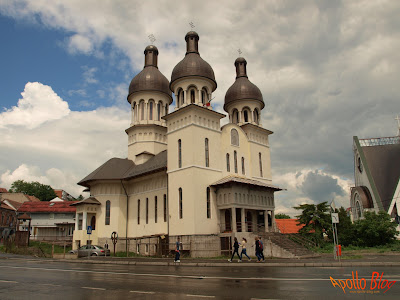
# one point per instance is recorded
(273, 221)
(266, 220)
(76, 221)
(84, 221)
(233, 213)
(244, 229)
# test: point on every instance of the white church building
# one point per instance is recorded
(185, 175)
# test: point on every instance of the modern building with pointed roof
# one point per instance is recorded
(185, 175)
(377, 176)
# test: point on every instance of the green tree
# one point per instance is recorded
(374, 229)
(41, 191)
(315, 219)
(282, 216)
(79, 198)
(345, 228)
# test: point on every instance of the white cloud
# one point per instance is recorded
(88, 75)
(39, 104)
(79, 44)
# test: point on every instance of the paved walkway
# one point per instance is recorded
(324, 260)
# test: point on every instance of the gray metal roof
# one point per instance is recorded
(123, 169)
(242, 88)
(234, 179)
(90, 200)
(383, 162)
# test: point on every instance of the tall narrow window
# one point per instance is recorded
(108, 206)
(203, 97)
(147, 210)
(207, 153)
(151, 111)
(255, 117)
(138, 211)
(235, 161)
(246, 116)
(142, 110)
(180, 153)
(208, 203)
(261, 171)
(159, 111)
(243, 169)
(133, 112)
(182, 98)
(235, 117)
(180, 204)
(166, 109)
(228, 163)
(155, 209)
(192, 96)
(165, 208)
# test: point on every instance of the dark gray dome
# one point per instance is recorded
(150, 78)
(242, 88)
(192, 64)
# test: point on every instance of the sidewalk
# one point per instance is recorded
(325, 260)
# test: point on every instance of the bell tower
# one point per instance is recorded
(149, 97)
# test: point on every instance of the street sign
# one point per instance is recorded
(89, 229)
(335, 218)
(114, 239)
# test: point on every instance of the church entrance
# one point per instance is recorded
(228, 226)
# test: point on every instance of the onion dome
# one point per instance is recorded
(242, 88)
(193, 64)
(150, 78)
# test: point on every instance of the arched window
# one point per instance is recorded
(192, 98)
(138, 211)
(234, 137)
(182, 97)
(158, 111)
(155, 209)
(243, 169)
(180, 204)
(207, 153)
(358, 210)
(108, 206)
(246, 116)
(133, 111)
(228, 163)
(235, 161)
(208, 203)
(165, 208)
(166, 109)
(260, 161)
(255, 116)
(180, 153)
(203, 97)
(151, 104)
(235, 117)
(142, 110)
(147, 210)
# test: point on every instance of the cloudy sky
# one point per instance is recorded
(328, 70)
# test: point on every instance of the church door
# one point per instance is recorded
(93, 222)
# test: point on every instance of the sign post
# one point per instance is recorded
(89, 232)
(114, 239)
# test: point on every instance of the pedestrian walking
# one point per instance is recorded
(178, 250)
(261, 249)
(235, 250)
(257, 244)
(243, 244)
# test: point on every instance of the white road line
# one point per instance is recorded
(201, 296)
(50, 284)
(93, 288)
(142, 292)
(8, 281)
(178, 276)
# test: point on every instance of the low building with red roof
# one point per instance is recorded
(51, 221)
(287, 226)
(3, 190)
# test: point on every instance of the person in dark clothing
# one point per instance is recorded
(177, 250)
(258, 249)
(235, 250)
(261, 249)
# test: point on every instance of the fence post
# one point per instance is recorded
(64, 249)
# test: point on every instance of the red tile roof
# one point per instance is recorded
(58, 193)
(3, 190)
(286, 226)
(50, 207)
(32, 198)
(13, 203)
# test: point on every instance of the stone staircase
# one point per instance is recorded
(287, 245)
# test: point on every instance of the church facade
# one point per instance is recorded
(185, 175)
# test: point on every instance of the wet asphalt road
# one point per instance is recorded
(35, 279)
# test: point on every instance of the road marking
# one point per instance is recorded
(50, 284)
(8, 281)
(93, 288)
(176, 276)
(142, 292)
(202, 296)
